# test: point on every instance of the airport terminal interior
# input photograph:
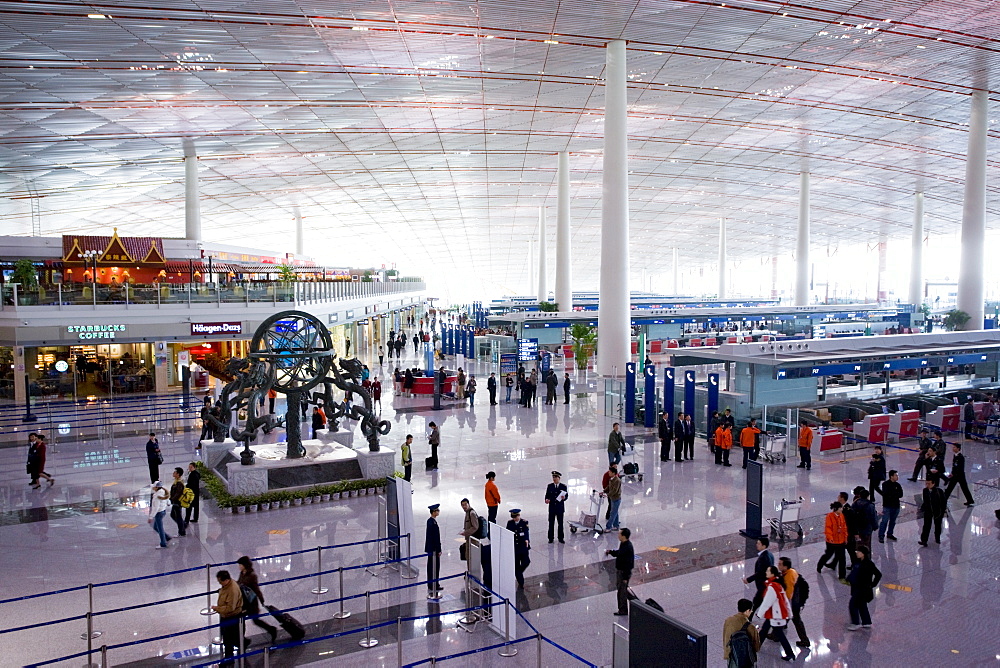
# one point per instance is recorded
(353, 268)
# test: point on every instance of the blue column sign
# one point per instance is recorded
(668, 392)
(713, 396)
(649, 401)
(630, 393)
(472, 342)
(689, 393)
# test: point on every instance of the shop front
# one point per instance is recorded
(88, 369)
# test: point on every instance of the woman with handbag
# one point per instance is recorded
(864, 577)
(248, 578)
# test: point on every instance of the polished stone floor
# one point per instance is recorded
(937, 605)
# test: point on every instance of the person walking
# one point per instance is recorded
(614, 499)
(759, 577)
(206, 424)
(470, 527)
(956, 477)
(509, 382)
(723, 443)
(796, 589)
(406, 457)
(876, 470)
(432, 546)
(318, 421)
(470, 389)
(566, 386)
(924, 444)
(347, 347)
(272, 394)
(492, 495)
(739, 624)
(434, 440)
(176, 492)
(864, 577)
(616, 444)
(381, 355)
(153, 457)
(377, 393)
(688, 437)
(159, 503)
(37, 452)
(230, 607)
(460, 384)
(522, 545)
(555, 498)
(891, 492)
(749, 436)
(624, 562)
(491, 387)
(552, 386)
(666, 434)
(866, 515)
(806, 436)
(835, 531)
(408, 383)
(194, 483)
(776, 612)
(932, 508)
(248, 578)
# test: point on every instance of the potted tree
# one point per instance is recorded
(955, 319)
(27, 276)
(584, 342)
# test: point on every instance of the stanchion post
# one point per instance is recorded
(409, 574)
(539, 639)
(207, 610)
(104, 656)
(90, 641)
(341, 614)
(243, 635)
(267, 657)
(368, 641)
(399, 641)
(319, 588)
(508, 650)
(90, 633)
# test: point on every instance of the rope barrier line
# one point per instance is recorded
(563, 649)
(469, 652)
(196, 568)
(53, 621)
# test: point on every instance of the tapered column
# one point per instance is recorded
(915, 295)
(802, 244)
(970, 270)
(543, 288)
(613, 321)
(882, 289)
(564, 259)
(192, 205)
(774, 277)
(722, 258)
(300, 244)
(532, 285)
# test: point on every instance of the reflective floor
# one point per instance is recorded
(936, 605)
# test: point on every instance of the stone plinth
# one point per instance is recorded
(246, 479)
(379, 464)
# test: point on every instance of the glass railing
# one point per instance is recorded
(82, 294)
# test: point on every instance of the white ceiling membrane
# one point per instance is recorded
(425, 133)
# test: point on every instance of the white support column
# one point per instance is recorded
(970, 269)
(532, 285)
(882, 288)
(564, 258)
(915, 295)
(300, 243)
(802, 244)
(722, 258)
(676, 269)
(774, 277)
(543, 288)
(192, 205)
(614, 315)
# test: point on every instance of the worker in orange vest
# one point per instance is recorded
(723, 443)
(749, 441)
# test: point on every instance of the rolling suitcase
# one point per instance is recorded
(291, 625)
(429, 464)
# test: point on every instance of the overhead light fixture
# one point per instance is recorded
(96, 16)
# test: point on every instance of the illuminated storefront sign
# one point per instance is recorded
(89, 332)
(210, 328)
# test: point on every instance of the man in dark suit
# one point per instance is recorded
(432, 546)
(764, 560)
(688, 437)
(194, 482)
(678, 436)
(555, 497)
(491, 386)
(957, 475)
(665, 434)
(566, 389)
(932, 507)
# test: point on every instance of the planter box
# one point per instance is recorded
(286, 503)
(252, 508)
(265, 506)
(241, 509)
(297, 502)
(336, 496)
(307, 500)
(326, 497)
(316, 499)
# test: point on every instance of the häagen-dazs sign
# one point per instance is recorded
(210, 328)
(88, 332)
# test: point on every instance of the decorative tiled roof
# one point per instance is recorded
(126, 250)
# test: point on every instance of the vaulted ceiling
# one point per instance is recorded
(425, 133)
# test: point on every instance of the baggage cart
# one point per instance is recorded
(629, 464)
(590, 521)
(773, 448)
(787, 520)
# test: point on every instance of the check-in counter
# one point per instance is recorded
(873, 428)
(903, 424)
(945, 418)
(831, 439)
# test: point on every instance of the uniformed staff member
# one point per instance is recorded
(522, 544)
(555, 497)
(432, 546)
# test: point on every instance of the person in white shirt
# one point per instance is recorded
(159, 504)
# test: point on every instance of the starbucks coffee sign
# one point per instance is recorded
(91, 332)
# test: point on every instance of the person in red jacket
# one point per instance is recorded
(748, 441)
(723, 444)
(836, 541)
(776, 612)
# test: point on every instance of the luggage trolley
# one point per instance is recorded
(774, 448)
(629, 464)
(590, 521)
(787, 520)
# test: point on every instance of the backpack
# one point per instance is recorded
(484, 529)
(741, 651)
(250, 604)
(801, 594)
(187, 497)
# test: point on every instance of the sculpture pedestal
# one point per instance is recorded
(272, 470)
(375, 465)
